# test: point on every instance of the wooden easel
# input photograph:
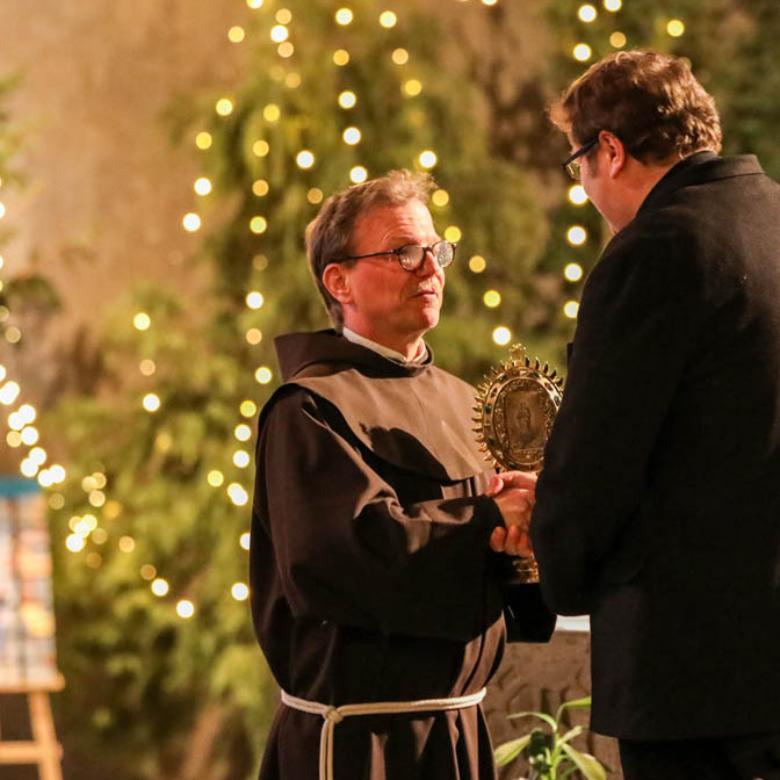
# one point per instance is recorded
(44, 749)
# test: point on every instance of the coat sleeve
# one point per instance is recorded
(348, 552)
(637, 326)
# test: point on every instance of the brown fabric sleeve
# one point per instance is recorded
(347, 551)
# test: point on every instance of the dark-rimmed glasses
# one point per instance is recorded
(572, 164)
(411, 256)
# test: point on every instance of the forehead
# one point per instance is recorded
(407, 220)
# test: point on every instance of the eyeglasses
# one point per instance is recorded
(572, 164)
(411, 256)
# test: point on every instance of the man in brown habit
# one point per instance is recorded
(658, 509)
(375, 596)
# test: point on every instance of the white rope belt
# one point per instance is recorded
(333, 715)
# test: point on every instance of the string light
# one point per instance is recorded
(255, 299)
(344, 16)
(260, 188)
(202, 186)
(203, 140)
(142, 321)
(258, 225)
(160, 587)
(241, 459)
(351, 136)
(224, 107)
(248, 408)
(582, 52)
(285, 49)
(279, 33)
(237, 494)
(236, 34)
(347, 99)
(577, 195)
(260, 148)
(571, 309)
(191, 222)
(240, 591)
(151, 402)
(492, 299)
(147, 367)
(254, 336)
(284, 16)
(271, 113)
(412, 87)
(477, 264)
(576, 235)
(244, 540)
(255, 4)
(453, 233)
(358, 174)
(573, 272)
(675, 28)
(341, 57)
(400, 56)
(613, 6)
(440, 198)
(263, 375)
(315, 195)
(185, 609)
(388, 19)
(587, 13)
(305, 159)
(618, 40)
(428, 159)
(242, 432)
(502, 335)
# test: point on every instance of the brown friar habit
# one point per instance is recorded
(371, 575)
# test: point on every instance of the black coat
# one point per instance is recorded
(658, 509)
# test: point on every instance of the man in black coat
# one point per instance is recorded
(658, 510)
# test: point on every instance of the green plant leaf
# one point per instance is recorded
(541, 715)
(586, 763)
(571, 734)
(574, 704)
(508, 751)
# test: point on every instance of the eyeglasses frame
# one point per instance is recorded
(571, 166)
(397, 254)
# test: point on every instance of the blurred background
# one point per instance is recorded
(158, 165)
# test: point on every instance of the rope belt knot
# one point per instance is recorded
(332, 716)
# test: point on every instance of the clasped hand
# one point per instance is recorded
(515, 494)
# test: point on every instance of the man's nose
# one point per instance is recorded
(429, 266)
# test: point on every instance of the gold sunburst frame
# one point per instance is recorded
(515, 409)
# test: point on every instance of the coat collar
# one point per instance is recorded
(697, 169)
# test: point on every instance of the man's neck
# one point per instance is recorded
(405, 351)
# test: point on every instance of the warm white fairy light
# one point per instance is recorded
(258, 225)
(477, 264)
(224, 106)
(502, 335)
(440, 198)
(675, 28)
(400, 56)
(241, 459)
(142, 321)
(9, 392)
(248, 408)
(279, 33)
(160, 587)
(582, 52)
(573, 272)
(358, 174)
(151, 402)
(255, 299)
(613, 6)
(215, 478)
(571, 309)
(236, 34)
(284, 16)
(260, 188)
(576, 235)
(147, 367)
(254, 336)
(587, 13)
(240, 591)
(428, 159)
(237, 494)
(492, 299)
(577, 195)
(202, 186)
(272, 113)
(75, 543)
(242, 432)
(263, 375)
(244, 540)
(412, 87)
(351, 136)
(344, 16)
(618, 40)
(285, 49)
(30, 436)
(255, 4)
(347, 99)
(185, 609)
(341, 57)
(191, 222)
(304, 159)
(388, 19)
(203, 140)
(453, 233)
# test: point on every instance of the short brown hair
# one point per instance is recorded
(329, 235)
(652, 102)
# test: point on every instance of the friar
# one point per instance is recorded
(379, 595)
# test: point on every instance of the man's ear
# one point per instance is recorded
(617, 155)
(336, 280)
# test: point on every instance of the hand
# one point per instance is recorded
(512, 541)
(512, 479)
(515, 505)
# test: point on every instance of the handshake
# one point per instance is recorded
(514, 493)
